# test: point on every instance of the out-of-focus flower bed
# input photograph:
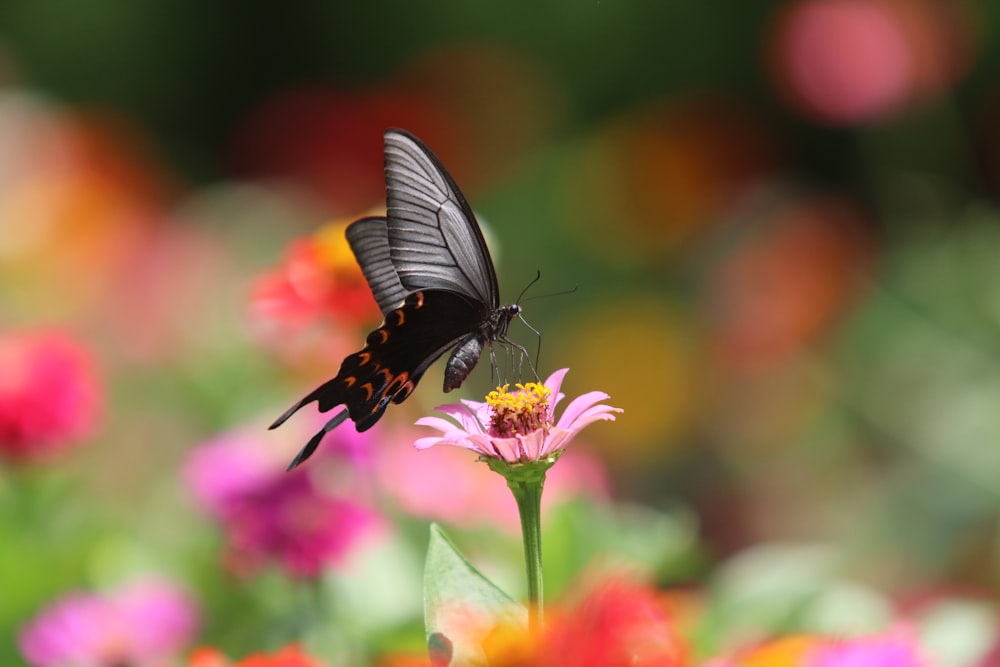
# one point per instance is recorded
(781, 218)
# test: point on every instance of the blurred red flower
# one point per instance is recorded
(617, 623)
(289, 656)
(49, 394)
(329, 141)
(318, 283)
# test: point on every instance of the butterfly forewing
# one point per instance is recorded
(434, 239)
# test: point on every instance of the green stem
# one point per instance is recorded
(526, 481)
(529, 505)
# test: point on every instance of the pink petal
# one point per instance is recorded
(463, 415)
(430, 441)
(480, 409)
(554, 383)
(534, 444)
(443, 425)
(578, 405)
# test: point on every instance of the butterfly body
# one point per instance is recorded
(431, 273)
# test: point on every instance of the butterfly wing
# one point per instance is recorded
(369, 240)
(434, 239)
(388, 368)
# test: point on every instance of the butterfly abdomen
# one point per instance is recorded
(463, 360)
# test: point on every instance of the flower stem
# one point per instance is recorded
(526, 481)
(529, 506)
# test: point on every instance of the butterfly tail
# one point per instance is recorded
(313, 443)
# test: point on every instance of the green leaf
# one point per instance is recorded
(461, 605)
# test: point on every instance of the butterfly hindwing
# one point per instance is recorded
(392, 362)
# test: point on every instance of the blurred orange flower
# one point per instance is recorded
(781, 287)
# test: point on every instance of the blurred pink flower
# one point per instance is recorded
(846, 61)
(145, 623)
(858, 61)
(896, 648)
(452, 487)
(49, 394)
(268, 514)
(517, 426)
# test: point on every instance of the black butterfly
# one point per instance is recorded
(430, 271)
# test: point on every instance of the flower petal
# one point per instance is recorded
(464, 415)
(443, 425)
(579, 405)
(554, 383)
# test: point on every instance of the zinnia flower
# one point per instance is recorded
(268, 514)
(49, 395)
(146, 623)
(517, 426)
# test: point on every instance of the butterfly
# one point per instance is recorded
(430, 271)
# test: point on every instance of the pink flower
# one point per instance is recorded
(453, 488)
(268, 514)
(517, 426)
(146, 623)
(49, 395)
(895, 648)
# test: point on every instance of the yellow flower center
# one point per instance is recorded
(520, 412)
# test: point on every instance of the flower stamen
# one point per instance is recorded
(520, 412)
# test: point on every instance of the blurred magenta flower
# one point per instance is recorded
(895, 648)
(145, 623)
(49, 394)
(288, 656)
(517, 426)
(268, 514)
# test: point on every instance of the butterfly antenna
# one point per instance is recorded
(538, 276)
(561, 293)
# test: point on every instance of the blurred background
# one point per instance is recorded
(781, 217)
